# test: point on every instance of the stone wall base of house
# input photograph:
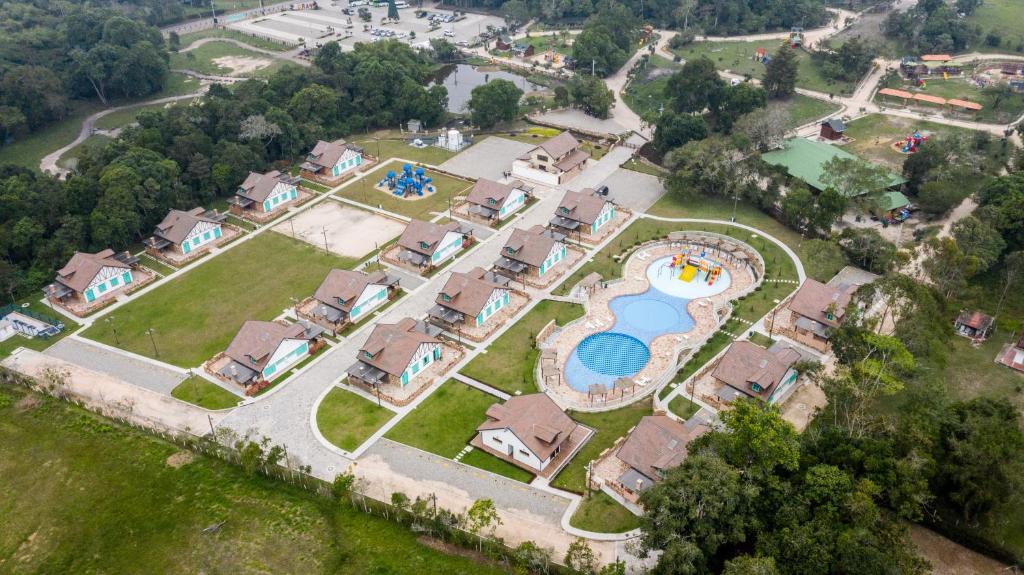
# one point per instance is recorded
(303, 196)
(572, 256)
(477, 334)
(399, 396)
(77, 307)
(229, 233)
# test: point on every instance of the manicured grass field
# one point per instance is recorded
(682, 407)
(347, 419)
(645, 94)
(123, 118)
(600, 513)
(737, 57)
(445, 423)
(387, 146)
(609, 426)
(70, 157)
(873, 135)
(804, 109)
(761, 339)
(82, 495)
(542, 44)
(644, 168)
(199, 391)
(197, 314)
(201, 60)
(509, 362)
(424, 208)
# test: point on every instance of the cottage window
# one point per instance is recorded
(757, 388)
(446, 297)
(492, 201)
(424, 245)
(341, 301)
(368, 355)
(496, 440)
(524, 453)
(510, 251)
(564, 210)
(542, 158)
(828, 316)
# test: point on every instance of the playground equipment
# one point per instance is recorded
(912, 142)
(693, 261)
(796, 37)
(408, 182)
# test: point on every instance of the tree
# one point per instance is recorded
(756, 439)
(580, 558)
(392, 11)
(482, 517)
(765, 128)
(591, 95)
(735, 102)
(867, 249)
(1012, 274)
(711, 167)
(781, 73)
(978, 240)
(854, 178)
(493, 102)
(674, 130)
(695, 87)
(747, 565)
(874, 372)
(561, 96)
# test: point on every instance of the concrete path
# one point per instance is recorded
(136, 370)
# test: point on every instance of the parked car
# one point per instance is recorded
(449, 34)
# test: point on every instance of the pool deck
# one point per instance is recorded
(665, 348)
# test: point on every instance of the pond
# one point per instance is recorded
(460, 79)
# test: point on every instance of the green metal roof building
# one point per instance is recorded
(806, 159)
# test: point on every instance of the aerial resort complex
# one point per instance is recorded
(537, 288)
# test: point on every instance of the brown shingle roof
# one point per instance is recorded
(467, 292)
(529, 246)
(485, 190)
(560, 145)
(814, 299)
(583, 206)
(257, 187)
(393, 345)
(346, 285)
(257, 340)
(177, 224)
(535, 419)
(658, 443)
(326, 154)
(80, 270)
(574, 159)
(427, 232)
(746, 363)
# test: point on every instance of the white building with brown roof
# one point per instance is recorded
(426, 244)
(264, 193)
(527, 430)
(658, 443)
(554, 162)
(395, 354)
(185, 233)
(332, 160)
(88, 277)
(533, 252)
(765, 374)
(493, 201)
(470, 299)
(583, 213)
(347, 296)
(817, 310)
(263, 350)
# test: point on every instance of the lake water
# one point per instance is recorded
(460, 79)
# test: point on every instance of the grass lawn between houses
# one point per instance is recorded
(386, 146)
(347, 419)
(444, 424)
(199, 391)
(196, 314)
(600, 513)
(738, 58)
(81, 494)
(510, 360)
(608, 426)
(364, 191)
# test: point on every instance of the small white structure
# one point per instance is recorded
(451, 140)
(19, 322)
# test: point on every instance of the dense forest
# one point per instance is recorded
(52, 53)
(190, 155)
(933, 26)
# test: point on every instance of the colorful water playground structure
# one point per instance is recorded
(409, 182)
(690, 264)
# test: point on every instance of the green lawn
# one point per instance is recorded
(83, 495)
(509, 362)
(187, 39)
(707, 351)
(737, 57)
(971, 372)
(347, 419)
(196, 315)
(199, 391)
(645, 94)
(1002, 17)
(364, 191)
(609, 426)
(123, 118)
(542, 44)
(445, 423)
(1007, 110)
(600, 513)
(804, 109)
(682, 407)
(201, 60)
(761, 339)
(156, 265)
(874, 133)
(644, 168)
(387, 146)
(70, 158)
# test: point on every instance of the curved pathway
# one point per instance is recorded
(48, 164)
(288, 56)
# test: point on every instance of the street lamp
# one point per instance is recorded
(152, 340)
(110, 321)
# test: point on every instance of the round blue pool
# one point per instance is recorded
(613, 354)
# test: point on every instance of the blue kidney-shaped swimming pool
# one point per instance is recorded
(621, 350)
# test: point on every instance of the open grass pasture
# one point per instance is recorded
(509, 362)
(1002, 17)
(197, 314)
(82, 495)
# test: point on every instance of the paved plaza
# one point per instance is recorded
(489, 158)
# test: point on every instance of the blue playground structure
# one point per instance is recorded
(408, 182)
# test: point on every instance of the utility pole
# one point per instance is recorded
(325, 239)
(593, 69)
(152, 340)
(110, 322)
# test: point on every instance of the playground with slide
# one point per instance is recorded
(410, 183)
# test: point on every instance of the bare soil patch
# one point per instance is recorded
(240, 65)
(350, 232)
(180, 459)
(28, 402)
(949, 558)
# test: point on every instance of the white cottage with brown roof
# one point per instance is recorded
(583, 213)
(493, 201)
(88, 277)
(531, 252)
(264, 193)
(347, 296)
(426, 244)
(185, 233)
(658, 443)
(554, 162)
(528, 430)
(332, 160)
(396, 353)
(817, 310)
(470, 298)
(765, 374)
(263, 350)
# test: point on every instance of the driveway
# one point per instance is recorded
(490, 158)
(634, 190)
(135, 370)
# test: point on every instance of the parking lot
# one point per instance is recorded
(331, 22)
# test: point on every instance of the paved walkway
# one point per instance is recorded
(135, 370)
